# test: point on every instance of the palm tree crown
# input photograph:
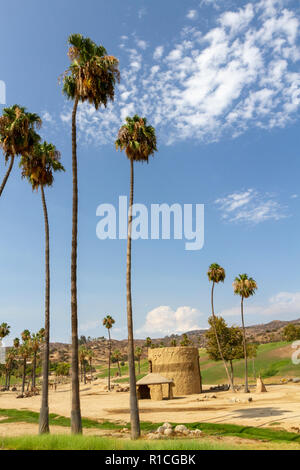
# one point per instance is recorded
(4, 330)
(92, 73)
(244, 286)
(17, 131)
(108, 322)
(216, 273)
(137, 139)
(39, 165)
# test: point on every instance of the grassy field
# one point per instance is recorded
(53, 442)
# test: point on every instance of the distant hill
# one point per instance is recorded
(263, 333)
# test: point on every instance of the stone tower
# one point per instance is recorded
(181, 364)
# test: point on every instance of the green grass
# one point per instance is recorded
(209, 429)
(269, 362)
(54, 442)
(17, 416)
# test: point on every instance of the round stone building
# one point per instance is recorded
(180, 364)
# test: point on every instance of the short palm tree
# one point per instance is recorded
(17, 135)
(108, 322)
(90, 356)
(39, 167)
(82, 352)
(138, 140)
(91, 77)
(138, 355)
(16, 343)
(4, 330)
(117, 357)
(215, 275)
(24, 352)
(245, 287)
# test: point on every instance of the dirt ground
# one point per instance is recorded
(278, 408)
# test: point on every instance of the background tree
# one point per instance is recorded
(185, 340)
(24, 352)
(108, 322)
(138, 140)
(17, 135)
(245, 287)
(148, 343)
(39, 167)
(91, 77)
(291, 332)
(215, 275)
(82, 351)
(4, 330)
(138, 354)
(90, 356)
(173, 342)
(117, 357)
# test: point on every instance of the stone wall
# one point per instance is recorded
(181, 364)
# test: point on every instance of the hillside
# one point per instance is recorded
(264, 333)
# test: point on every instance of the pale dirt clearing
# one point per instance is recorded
(279, 407)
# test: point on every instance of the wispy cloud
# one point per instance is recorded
(192, 14)
(164, 320)
(279, 305)
(250, 206)
(242, 73)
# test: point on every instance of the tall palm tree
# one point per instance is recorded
(10, 359)
(91, 77)
(17, 135)
(39, 168)
(108, 322)
(215, 275)
(245, 287)
(139, 142)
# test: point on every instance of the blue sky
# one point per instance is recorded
(220, 81)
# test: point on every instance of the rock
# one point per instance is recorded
(250, 399)
(181, 428)
(167, 426)
(168, 432)
(296, 380)
(196, 432)
(160, 430)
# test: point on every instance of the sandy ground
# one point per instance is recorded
(279, 407)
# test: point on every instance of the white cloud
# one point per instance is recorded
(158, 52)
(192, 14)
(243, 73)
(283, 303)
(250, 206)
(164, 320)
(46, 117)
(142, 12)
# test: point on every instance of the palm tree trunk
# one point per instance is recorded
(91, 370)
(109, 352)
(134, 407)
(24, 376)
(76, 425)
(254, 371)
(33, 370)
(84, 372)
(44, 411)
(231, 369)
(245, 347)
(119, 368)
(217, 339)
(12, 159)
